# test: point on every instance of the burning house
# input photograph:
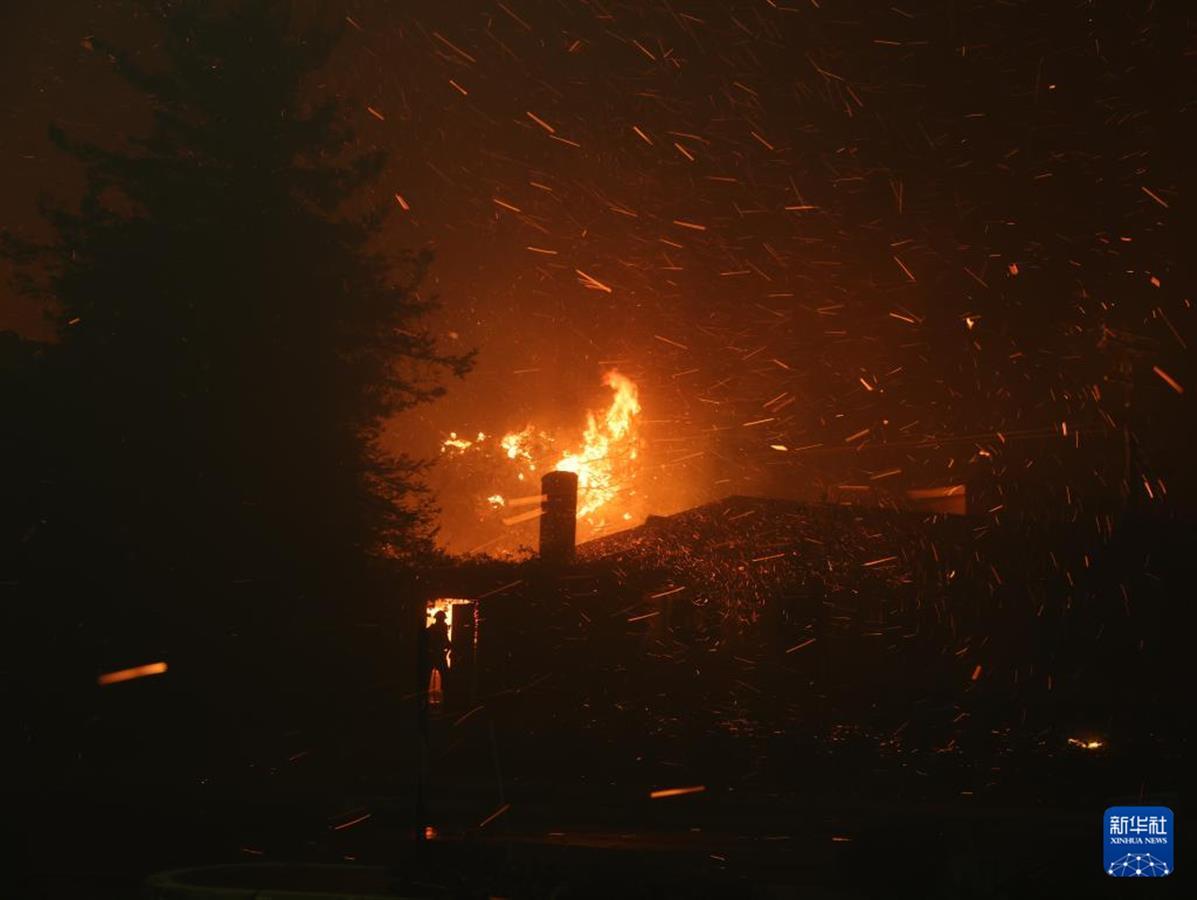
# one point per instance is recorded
(766, 617)
(745, 576)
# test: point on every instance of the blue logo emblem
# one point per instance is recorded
(1138, 841)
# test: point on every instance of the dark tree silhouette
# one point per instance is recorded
(229, 342)
(195, 468)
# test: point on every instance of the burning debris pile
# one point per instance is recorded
(606, 458)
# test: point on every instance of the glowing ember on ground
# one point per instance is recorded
(1086, 743)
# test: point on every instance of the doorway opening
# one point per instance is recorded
(461, 627)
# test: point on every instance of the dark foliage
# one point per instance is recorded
(229, 344)
(192, 467)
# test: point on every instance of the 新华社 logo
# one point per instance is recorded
(1138, 841)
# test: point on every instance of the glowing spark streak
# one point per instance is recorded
(1168, 379)
(524, 517)
(672, 343)
(903, 267)
(454, 47)
(541, 122)
(500, 590)
(975, 277)
(643, 50)
(351, 822)
(645, 616)
(501, 6)
(1154, 196)
(524, 501)
(130, 674)
(467, 715)
(498, 812)
(666, 593)
(375, 113)
(592, 283)
(764, 142)
(798, 647)
(677, 792)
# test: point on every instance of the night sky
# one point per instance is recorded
(945, 238)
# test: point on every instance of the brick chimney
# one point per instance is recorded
(559, 518)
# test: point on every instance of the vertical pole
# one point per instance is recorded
(474, 662)
(421, 714)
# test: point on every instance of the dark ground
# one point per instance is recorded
(870, 763)
(836, 818)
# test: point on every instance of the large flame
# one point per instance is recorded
(610, 447)
(605, 459)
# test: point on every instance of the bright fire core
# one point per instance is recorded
(605, 457)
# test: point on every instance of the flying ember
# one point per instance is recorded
(605, 457)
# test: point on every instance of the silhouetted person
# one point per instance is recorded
(437, 644)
